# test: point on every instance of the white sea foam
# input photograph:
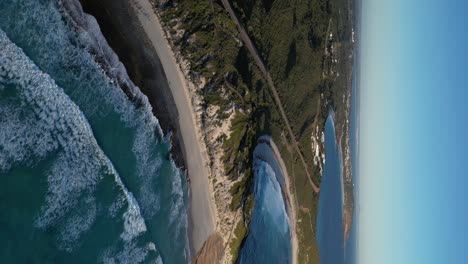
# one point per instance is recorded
(178, 216)
(66, 181)
(81, 163)
(269, 190)
(20, 137)
(90, 36)
(134, 224)
(159, 260)
(263, 152)
(96, 94)
(54, 123)
(141, 119)
(148, 170)
(151, 246)
(71, 42)
(116, 205)
(177, 197)
(80, 221)
(273, 201)
(130, 253)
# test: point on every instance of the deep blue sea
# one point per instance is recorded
(269, 240)
(84, 170)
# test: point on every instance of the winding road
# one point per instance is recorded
(253, 51)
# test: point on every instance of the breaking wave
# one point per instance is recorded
(80, 164)
(70, 82)
(131, 253)
(269, 239)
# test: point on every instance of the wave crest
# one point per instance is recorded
(80, 164)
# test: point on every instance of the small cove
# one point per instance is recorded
(269, 240)
(330, 212)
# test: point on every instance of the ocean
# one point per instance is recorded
(269, 239)
(332, 247)
(85, 168)
(330, 212)
(351, 245)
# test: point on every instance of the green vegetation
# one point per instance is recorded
(210, 42)
(237, 191)
(311, 72)
(293, 39)
(208, 39)
(240, 232)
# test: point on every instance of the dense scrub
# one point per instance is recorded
(305, 45)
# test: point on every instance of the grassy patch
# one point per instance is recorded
(292, 38)
(240, 233)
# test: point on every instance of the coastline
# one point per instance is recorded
(202, 206)
(338, 143)
(136, 35)
(210, 128)
(290, 200)
(121, 29)
(206, 217)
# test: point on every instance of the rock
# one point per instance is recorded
(211, 252)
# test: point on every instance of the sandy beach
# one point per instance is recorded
(202, 207)
(291, 201)
(142, 44)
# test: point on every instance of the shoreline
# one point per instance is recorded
(338, 144)
(202, 207)
(136, 35)
(291, 201)
(118, 24)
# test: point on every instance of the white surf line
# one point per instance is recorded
(37, 86)
(202, 206)
(291, 201)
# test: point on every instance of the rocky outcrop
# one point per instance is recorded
(211, 252)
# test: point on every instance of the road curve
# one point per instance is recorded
(253, 51)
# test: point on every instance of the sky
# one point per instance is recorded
(413, 205)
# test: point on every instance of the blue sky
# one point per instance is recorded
(413, 132)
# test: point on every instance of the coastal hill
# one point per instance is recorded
(306, 48)
(252, 68)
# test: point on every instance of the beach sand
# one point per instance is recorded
(136, 34)
(133, 31)
(202, 207)
(290, 199)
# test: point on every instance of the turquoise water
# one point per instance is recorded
(84, 169)
(269, 239)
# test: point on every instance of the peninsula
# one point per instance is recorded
(234, 71)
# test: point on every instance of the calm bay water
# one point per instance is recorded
(333, 250)
(84, 170)
(269, 240)
(330, 212)
(351, 244)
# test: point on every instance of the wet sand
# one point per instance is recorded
(134, 32)
(291, 201)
